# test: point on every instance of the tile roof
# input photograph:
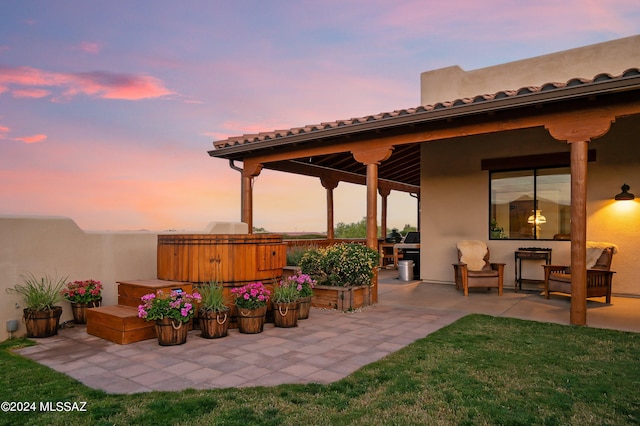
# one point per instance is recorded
(318, 130)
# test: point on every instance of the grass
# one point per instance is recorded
(479, 370)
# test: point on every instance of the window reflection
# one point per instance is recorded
(530, 204)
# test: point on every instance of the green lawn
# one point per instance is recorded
(479, 370)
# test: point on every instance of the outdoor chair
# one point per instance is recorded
(557, 278)
(474, 270)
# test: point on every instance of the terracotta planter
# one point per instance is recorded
(42, 323)
(79, 310)
(171, 332)
(251, 321)
(214, 325)
(285, 314)
(305, 307)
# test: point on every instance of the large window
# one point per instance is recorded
(532, 204)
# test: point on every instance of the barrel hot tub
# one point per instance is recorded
(227, 258)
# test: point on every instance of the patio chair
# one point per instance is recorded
(557, 278)
(474, 270)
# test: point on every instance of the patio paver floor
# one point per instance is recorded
(324, 348)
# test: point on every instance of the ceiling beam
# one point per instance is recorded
(301, 168)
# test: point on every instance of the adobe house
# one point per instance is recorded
(554, 136)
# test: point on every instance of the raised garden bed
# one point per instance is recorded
(341, 298)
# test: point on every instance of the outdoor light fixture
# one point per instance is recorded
(625, 194)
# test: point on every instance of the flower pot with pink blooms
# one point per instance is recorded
(171, 313)
(83, 295)
(304, 284)
(251, 307)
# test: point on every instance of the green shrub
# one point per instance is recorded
(344, 265)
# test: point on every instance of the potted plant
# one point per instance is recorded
(82, 295)
(495, 231)
(171, 312)
(213, 311)
(251, 305)
(304, 284)
(285, 303)
(344, 274)
(40, 295)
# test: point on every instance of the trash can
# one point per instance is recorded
(406, 270)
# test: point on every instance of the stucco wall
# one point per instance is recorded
(613, 57)
(455, 201)
(58, 247)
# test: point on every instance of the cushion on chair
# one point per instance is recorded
(483, 273)
(473, 253)
(597, 257)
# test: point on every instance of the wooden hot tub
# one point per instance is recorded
(234, 259)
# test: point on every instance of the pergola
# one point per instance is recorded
(383, 151)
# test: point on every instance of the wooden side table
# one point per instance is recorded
(529, 254)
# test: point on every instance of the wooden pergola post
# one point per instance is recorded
(249, 171)
(329, 184)
(578, 129)
(578, 314)
(372, 158)
(384, 193)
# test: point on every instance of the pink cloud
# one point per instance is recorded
(110, 85)
(30, 93)
(101, 84)
(32, 139)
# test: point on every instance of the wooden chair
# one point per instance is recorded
(474, 269)
(557, 278)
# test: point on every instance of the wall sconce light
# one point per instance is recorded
(625, 194)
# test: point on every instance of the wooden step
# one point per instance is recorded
(130, 292)
(119, 324)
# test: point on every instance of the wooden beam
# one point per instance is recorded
(306, 169)
(459, 128)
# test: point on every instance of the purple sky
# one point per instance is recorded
(107, 109)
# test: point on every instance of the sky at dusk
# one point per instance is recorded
(108, 108)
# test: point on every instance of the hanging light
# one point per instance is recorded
(537, 218)
(625, 194)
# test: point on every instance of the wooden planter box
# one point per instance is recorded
(341, 298)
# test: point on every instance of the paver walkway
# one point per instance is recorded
(324, 348)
